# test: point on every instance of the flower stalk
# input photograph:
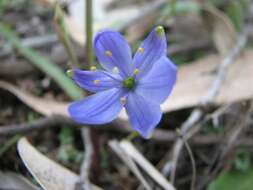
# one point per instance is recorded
(89, 32)
(64, 36)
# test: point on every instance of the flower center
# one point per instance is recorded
(129, 83)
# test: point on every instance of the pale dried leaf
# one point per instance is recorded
(111, 20)
(48, 174)
(10, 180)
(103, 18)
(224, 33)
(44, 106)
(194, 80)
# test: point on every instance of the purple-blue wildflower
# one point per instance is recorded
(139, 85)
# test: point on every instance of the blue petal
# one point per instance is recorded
(99, 108)
(112, 50)
(151, 50)
(157, 85)
(143, 115)
(95, 81)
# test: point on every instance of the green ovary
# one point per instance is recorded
(129, 83)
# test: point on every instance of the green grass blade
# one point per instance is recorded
(44, 64)
(233, 180)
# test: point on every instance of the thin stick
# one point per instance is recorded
(85, 168)
(43, 123)
(197, 113)
(146, 166)
(194, 170)
(9, 144)
(159, 135)
(125, 157)
(232, 141)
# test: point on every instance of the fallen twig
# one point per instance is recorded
(43, 123)
(198, 113)
(194, 170)
(159, 135)
(9, 143)
(124, 156)
(85, 167)
(226, 151)
(145, 165)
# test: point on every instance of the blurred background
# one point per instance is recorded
(205, 138)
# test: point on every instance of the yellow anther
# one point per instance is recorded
(70, 73)
(160, 31)
(115, 70)
(108, 53)
(123, 100)
(140, 49)
(93, 68)
(96, 82)
(136, 71)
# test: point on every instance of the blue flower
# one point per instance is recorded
(139, 84)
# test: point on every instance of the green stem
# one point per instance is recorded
(173, 8)
(9, 144)
(89, 32)
(63, 35)
(132, 136)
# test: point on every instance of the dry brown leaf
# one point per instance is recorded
(193, 82)
(224, 33)
(49, 174)
(44, 106)
(195, 79)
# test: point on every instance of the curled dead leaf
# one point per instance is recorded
(41, 105)
(223, 31)
(48, 174)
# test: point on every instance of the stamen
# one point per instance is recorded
(108, 53)
(115, 70)
(136, 71)
(96, 82)
(93, 68)
(70, 73)
(160, 31)
(123, 100)
(140, 49)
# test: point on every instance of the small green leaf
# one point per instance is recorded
(242, 161)
(42, 63)
(233, 180)
(235, 12)
(178, 7)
